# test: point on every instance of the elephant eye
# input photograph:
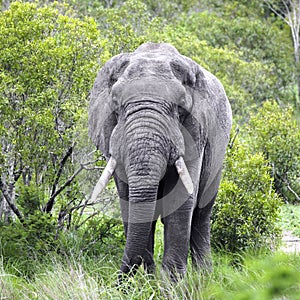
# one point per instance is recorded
(185, 102)
(182, 101)
(182, 114)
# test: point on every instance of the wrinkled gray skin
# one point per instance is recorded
(148, 108)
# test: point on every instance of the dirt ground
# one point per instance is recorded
(290, 243)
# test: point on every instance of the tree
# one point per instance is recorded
(48, 61)
(289, 12)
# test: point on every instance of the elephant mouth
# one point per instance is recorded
(111, 167)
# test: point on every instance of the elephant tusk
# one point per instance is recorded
(184, 175)
(104, 178)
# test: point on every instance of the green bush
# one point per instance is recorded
(38, 238)
(24, 243)
(247, 207)
(97, 236)
(124, 27)
(29, 199)
(275, 133)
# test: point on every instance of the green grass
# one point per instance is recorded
(260, 276)
(272, 276)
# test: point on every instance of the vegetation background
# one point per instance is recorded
(55, 243)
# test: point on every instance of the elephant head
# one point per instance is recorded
(157, 116)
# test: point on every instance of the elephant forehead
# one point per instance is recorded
(150, 88)
(140, 68)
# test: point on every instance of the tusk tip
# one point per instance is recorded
(184, 175)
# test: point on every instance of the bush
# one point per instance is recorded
(99, 235)
(23, 243)
(252, 39)
(247, 207)
(275, 132)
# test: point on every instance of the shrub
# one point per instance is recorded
(275, 132)
(252, 39)
(247, 207)
(97, 236)
(23, 243)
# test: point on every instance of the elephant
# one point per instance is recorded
(162, 122)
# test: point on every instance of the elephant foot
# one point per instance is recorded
(203, 264)
(149, 268)
(174, 274)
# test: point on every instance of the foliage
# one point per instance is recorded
(163, 9)
(99, 235)
(48, 62)
(275, 132)
(253, 40)
(126, 26)
(29, 200)
(170, 10)
(247, 208)
(39, 236)
(22, 243)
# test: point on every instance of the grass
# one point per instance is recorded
(261, 276)
(266, 277)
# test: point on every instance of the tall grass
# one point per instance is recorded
(263, 277)
(260, 276)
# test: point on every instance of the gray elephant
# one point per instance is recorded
(163, 124)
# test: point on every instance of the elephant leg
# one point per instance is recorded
(176, 239)
(148, 262)
(200, 237)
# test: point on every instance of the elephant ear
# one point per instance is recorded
(204, 92)
(102, 117)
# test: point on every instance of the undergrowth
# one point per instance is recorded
(272, 276)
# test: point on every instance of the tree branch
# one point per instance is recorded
(60, 169)
(231, 143)
(48, 207)
(287, 184)
(8, 199)
(293, 192)
(88, 218)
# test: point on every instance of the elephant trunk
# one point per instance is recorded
(146, 156)
(142, 206)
